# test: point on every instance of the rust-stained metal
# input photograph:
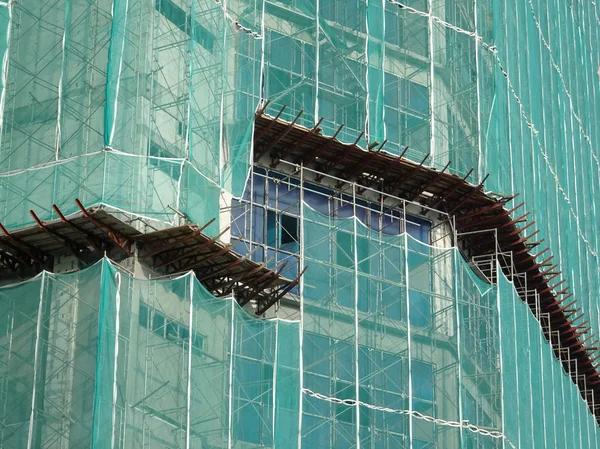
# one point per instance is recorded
(114, 236)
(478, 211)
(66, 243)
(91, 239)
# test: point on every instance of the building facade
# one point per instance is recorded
(299, 223)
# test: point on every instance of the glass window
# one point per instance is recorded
(184, 334)
(344, 361)
(289, 229)
(271, 229)
(418, 98)
(418, 228)
(281, 51)
(314, 347)
(198, 341)
(393, 30)
(246, 425)
(172, 330)
(317, 433)
(345, 390)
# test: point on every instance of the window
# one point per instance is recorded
(348, 13)
(289, 229)
(180, 19)
(418, 229)
(170, 168)
(330, 369)
(182, 128)
(169, 328)
(406, 112)
(344, 249)
(404, 30)
(272, 226)
(285, 53)
(252, 389)
(283, 231)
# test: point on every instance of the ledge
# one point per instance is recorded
(94, 232)
(484, 225)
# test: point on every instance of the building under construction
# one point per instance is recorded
(298, 224)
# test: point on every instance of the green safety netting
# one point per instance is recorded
(509, 88)
(142, 105)
(147, 187)
(101, 359)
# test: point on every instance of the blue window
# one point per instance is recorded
(418, 228)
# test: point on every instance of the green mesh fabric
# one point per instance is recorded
(392, 322)
(147, 106)
(506, 88)
(545, 144)
(101, 359)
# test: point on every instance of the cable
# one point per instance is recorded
(442, 422)
(528, 122)
(236, 23)
(564, 84)
(448, 25)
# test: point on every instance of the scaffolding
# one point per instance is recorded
(158, 110)
(99, 358)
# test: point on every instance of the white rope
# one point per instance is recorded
(116, 358)
(442, 22)
(528, 121)
(5, 59)
(442, 422)
(236, 23)
(536, 133)
(564, 84)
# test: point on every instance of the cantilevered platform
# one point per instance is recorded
(487, 226)
(89, 235)
(216, 265)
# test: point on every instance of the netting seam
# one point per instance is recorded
(60, 84)
(442, 422)
(189, 361)
(116, 357)
(36, 355)
(5, 65)
(432, 90)
(230, 387)
(119, 75)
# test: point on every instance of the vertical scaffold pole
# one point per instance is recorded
(301, 291)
